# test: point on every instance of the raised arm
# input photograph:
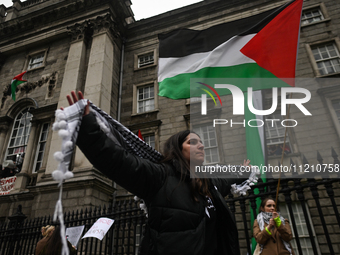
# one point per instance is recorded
(139, 176)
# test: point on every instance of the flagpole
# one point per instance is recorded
(282, 155)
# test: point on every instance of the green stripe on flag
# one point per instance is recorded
(254, 153)
(178, 87)
(14, 85)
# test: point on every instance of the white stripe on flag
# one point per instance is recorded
(226, 54)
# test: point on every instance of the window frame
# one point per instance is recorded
(33, 54)
(206, 148)
(314, 62)
(269, 124)
(323, 10)
(334, 102)
(299, 211)
(138, 55)
(135, 97)
(323, 59)
(148, 142)
(34, 170)
(8, 147)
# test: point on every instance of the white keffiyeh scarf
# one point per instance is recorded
(68, 123)
(264, 217)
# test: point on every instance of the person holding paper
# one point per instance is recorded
(271, 231)
(51, 244)
(186, 215)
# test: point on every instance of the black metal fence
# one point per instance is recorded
(316, 226)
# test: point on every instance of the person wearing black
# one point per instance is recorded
(185, 215)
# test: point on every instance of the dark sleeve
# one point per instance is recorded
(139, 176)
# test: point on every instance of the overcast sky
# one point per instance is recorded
(144, 8)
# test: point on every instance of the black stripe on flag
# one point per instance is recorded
(183, 42)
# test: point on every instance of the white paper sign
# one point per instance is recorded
(74, 233)
(99, 228)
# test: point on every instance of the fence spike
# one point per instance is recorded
(304, 160)
(319, 157)
(335, 156)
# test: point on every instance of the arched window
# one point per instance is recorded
(20, 133)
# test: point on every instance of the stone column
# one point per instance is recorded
(98, 85)
(73, 80)
(22, 177)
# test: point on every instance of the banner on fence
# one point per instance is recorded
(99, 228)
(74, 233)
(7, 184)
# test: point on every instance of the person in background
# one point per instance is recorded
(51, 244)
(271, 231)
(46, 232)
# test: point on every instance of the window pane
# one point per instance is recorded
(310, 16)
(327, 58)
(36, 61)
(41, 146)
(19, 135)
(208, 137)
(145, 60)
(275, 137)
(145, 100)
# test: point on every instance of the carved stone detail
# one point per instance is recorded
(81, 31)
(104, 23)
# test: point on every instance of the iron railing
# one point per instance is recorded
(317, 198)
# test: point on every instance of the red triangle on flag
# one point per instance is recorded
(139, 134)
(19, 77)
(275, 47)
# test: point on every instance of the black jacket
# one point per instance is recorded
(176, 222)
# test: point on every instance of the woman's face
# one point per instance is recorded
(193, 149)
(269, 206)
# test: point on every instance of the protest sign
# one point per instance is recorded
(7, 184)
(74, 233)
(99, 228)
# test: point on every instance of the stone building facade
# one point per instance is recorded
(97, 47)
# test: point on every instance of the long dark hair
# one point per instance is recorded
(172, 153)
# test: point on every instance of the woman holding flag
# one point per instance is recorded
(271, 231)
(185, 215)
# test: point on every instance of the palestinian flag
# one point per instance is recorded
(237, 49)
(15, 82)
